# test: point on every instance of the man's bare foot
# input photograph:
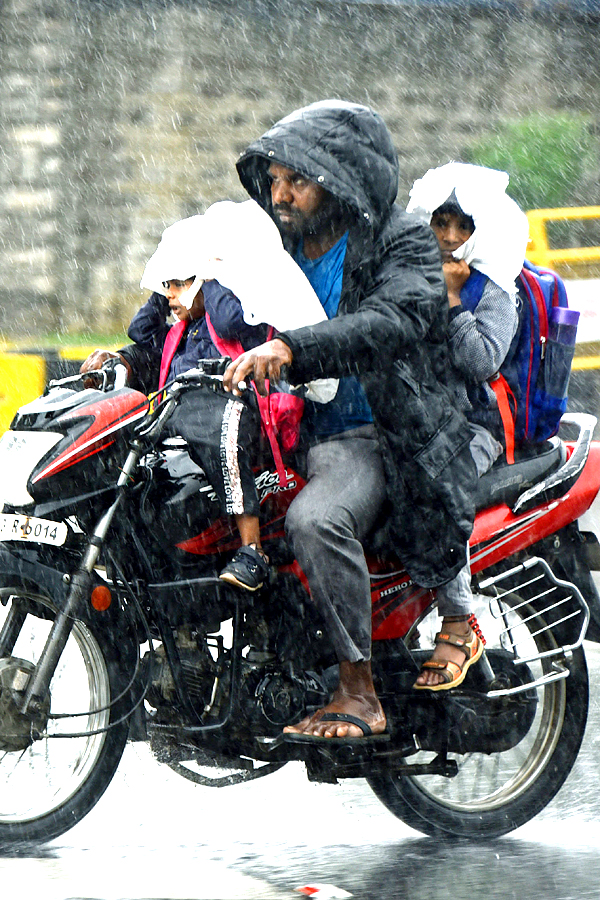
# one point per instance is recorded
(444, 652)
(354, 696)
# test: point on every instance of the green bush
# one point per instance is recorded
(545, 156)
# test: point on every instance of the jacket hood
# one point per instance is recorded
(344, 147)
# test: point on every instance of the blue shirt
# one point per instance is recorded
(349, 408)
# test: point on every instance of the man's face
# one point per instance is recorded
(451, 230)
(300, 206)
(173, 291)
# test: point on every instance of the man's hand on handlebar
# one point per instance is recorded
(264, 361)
(96, 360)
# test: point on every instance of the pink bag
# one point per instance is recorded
(285, 413)
(280, 413)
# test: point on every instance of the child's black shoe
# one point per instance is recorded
(248, 569)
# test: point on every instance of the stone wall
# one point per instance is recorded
(121, 117)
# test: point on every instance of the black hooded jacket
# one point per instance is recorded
(390, 329)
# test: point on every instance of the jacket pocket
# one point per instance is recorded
(448, 441)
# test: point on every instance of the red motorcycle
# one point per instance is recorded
(115, 626)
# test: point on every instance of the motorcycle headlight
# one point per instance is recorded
(20, 452)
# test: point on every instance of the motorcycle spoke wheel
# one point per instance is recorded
(52, 783)
(494, 793)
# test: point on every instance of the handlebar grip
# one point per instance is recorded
(121, 374)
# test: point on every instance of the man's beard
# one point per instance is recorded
(324, 220)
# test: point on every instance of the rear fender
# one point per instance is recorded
(577, 554)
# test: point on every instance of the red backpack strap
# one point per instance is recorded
(501, 389)
(225, 347)
(264, 408)
(535, 292)
(172, 340)
(234, 349)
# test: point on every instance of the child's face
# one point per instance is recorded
(173, 291)
(451, 230)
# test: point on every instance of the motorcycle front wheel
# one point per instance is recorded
(494, 793)
(53, 782)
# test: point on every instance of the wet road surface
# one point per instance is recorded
(156, 836)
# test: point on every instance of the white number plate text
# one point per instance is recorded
(26, 528)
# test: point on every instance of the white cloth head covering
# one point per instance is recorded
(238, 244)
(497, 246)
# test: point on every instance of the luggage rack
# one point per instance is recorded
(553, 600)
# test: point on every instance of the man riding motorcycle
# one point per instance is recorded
(328, 175)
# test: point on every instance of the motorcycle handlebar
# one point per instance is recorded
(208, 373)
(111, 376)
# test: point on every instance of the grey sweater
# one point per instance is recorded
(478, 344)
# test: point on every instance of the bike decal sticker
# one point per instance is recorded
(394, 617)
(76, 453)
(267, 483)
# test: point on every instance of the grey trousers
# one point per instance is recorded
(455, 598)
(326, 523)
(330, 517)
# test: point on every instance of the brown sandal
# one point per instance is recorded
(451, 672)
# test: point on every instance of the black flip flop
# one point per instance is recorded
(337, 717)
(351, 720)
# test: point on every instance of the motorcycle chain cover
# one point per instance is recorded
(472, 722)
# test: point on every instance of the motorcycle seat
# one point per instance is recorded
(505, 483)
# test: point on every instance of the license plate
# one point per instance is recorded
(14, 527)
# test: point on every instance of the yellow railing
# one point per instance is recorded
(540, 253)
(22, 378)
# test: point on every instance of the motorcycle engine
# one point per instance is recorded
(197, 667)
(284, 697)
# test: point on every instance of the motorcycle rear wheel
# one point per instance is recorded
(493, 794)
(51, 785)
